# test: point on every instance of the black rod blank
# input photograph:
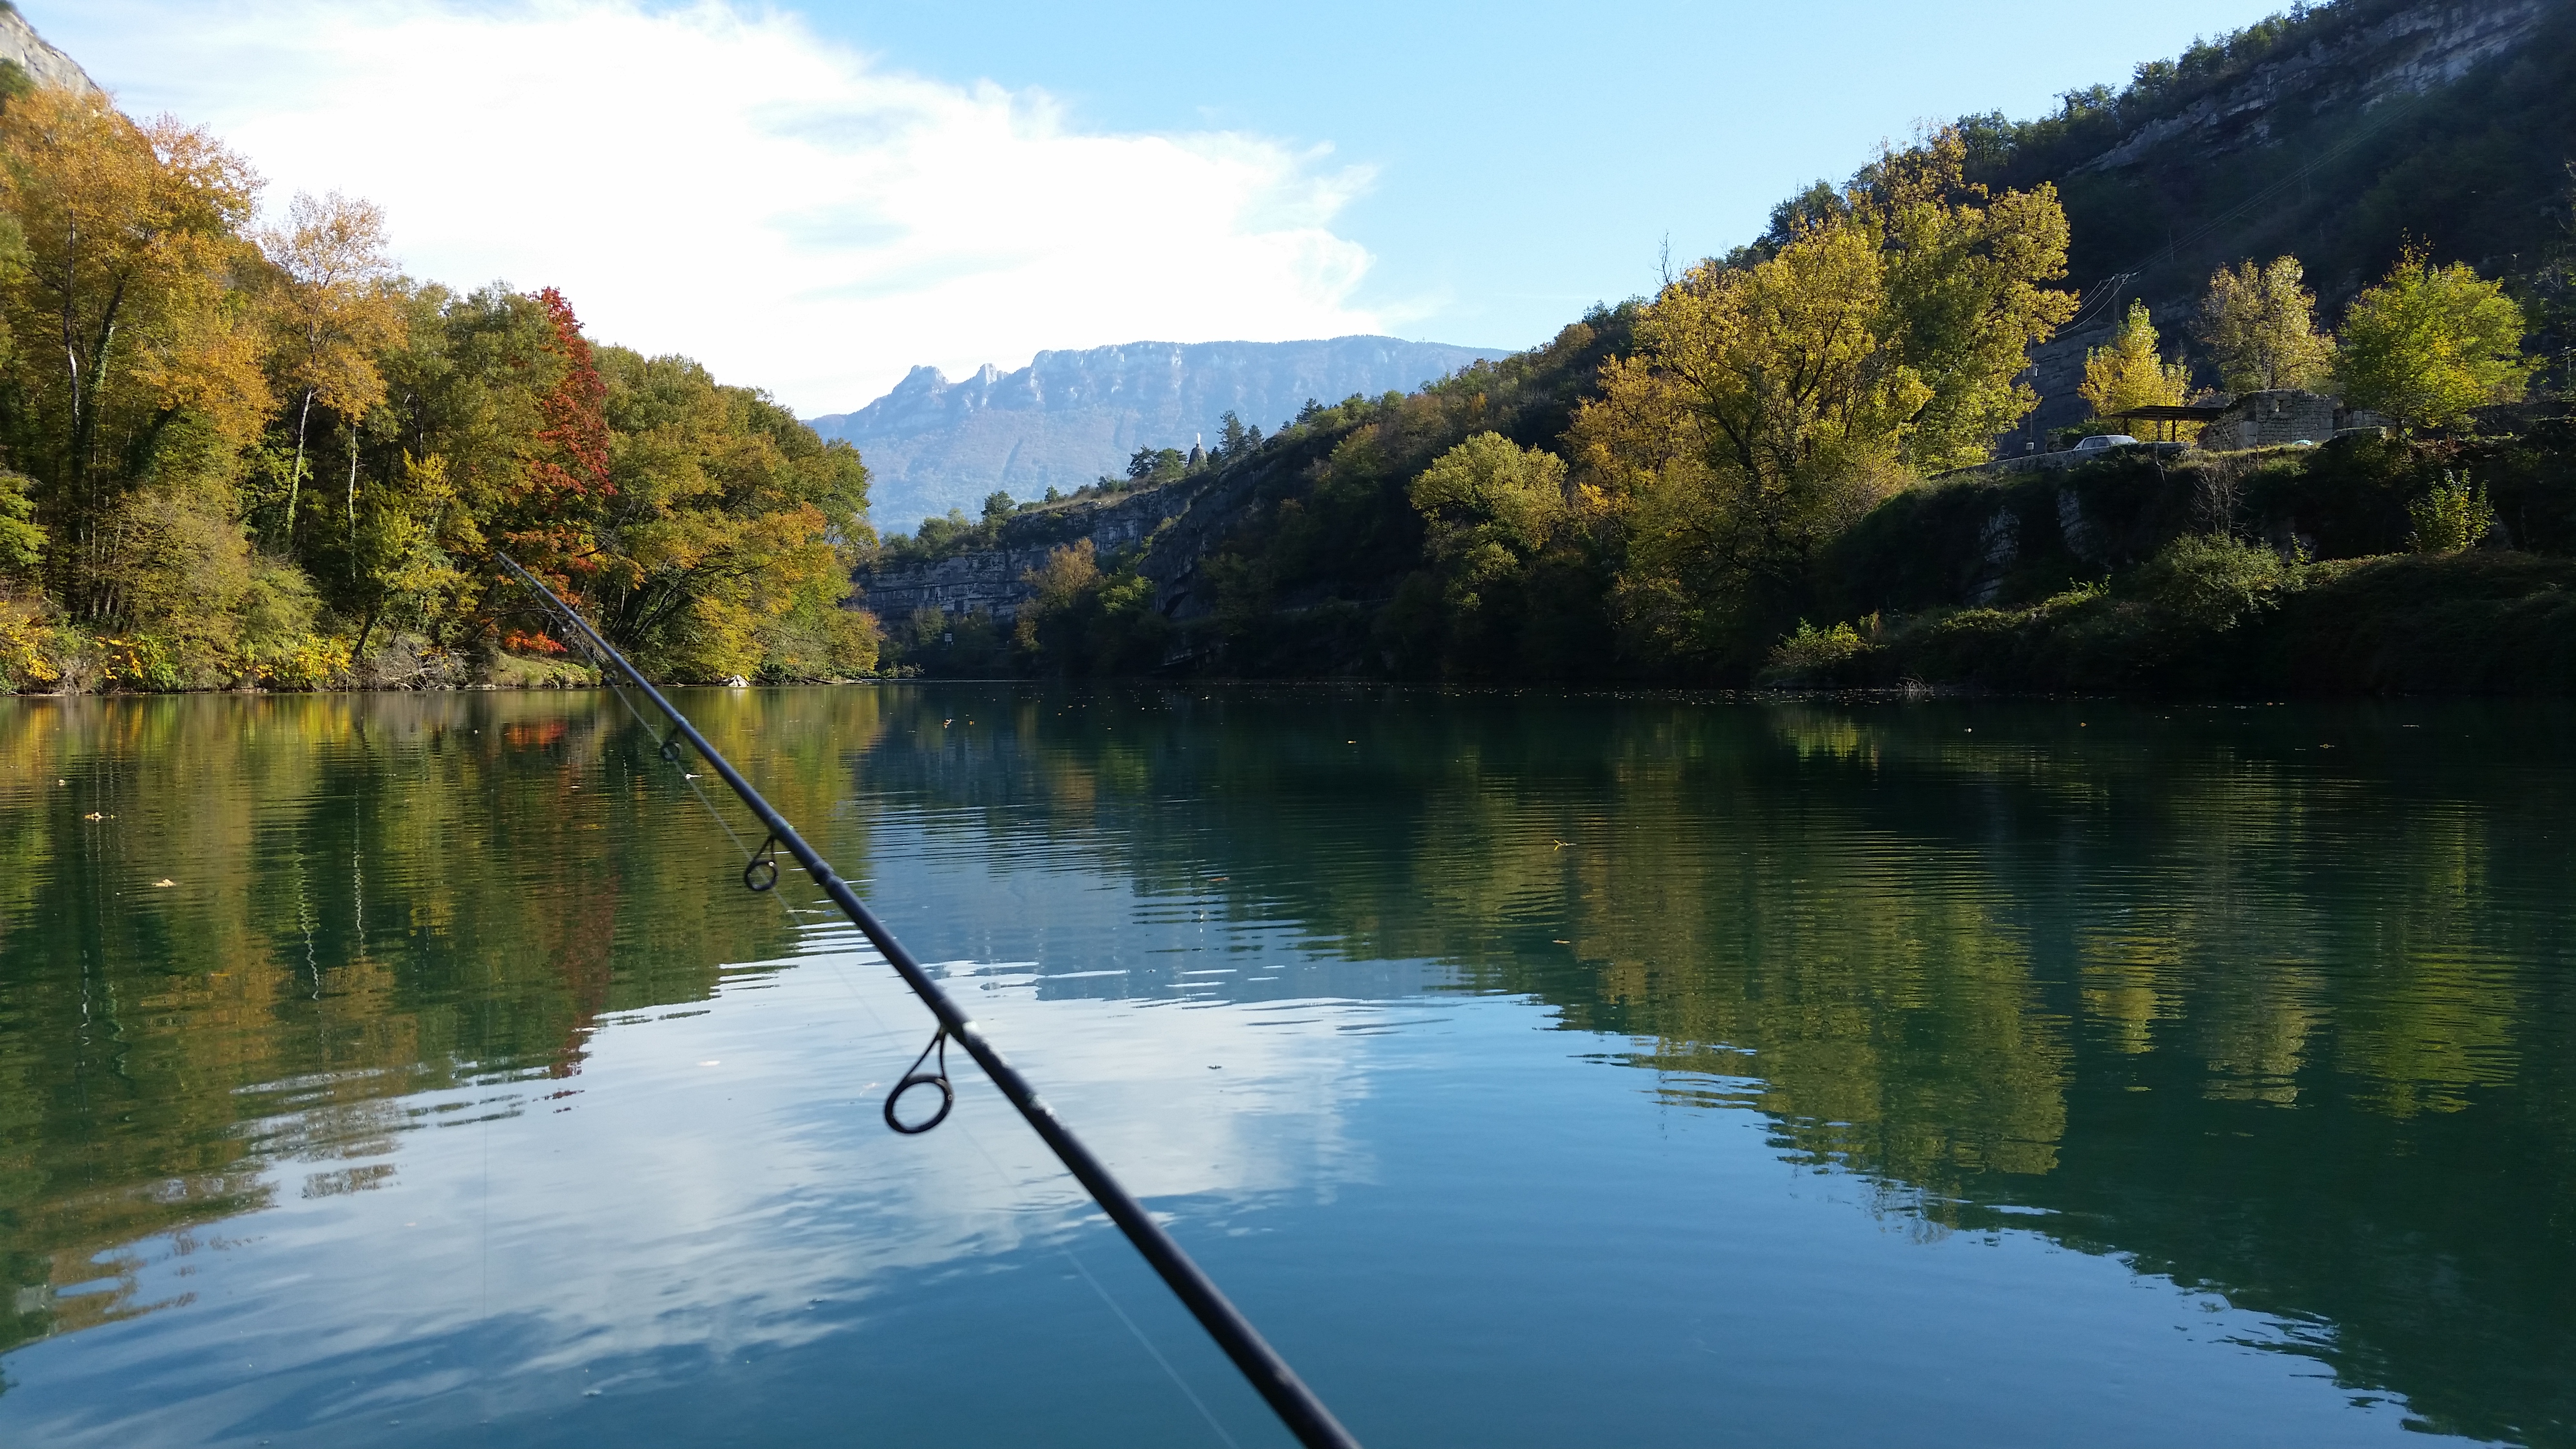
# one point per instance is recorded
(1288, 1396)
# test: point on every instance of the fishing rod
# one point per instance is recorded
(1288, 1396)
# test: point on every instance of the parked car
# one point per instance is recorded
(2101, 442)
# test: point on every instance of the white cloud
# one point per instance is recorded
(723, 183)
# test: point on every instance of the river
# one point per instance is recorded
(1534, 1068)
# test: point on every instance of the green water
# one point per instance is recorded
(1534, 1068)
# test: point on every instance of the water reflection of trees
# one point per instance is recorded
(370, 897)
(2275, 1001)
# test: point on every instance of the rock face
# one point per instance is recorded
(2410, 51)
(2296, 148)
(989, 579)
(1069, 417)
(21, 46)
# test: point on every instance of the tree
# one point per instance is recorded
(2130, 372)
(726, 530)
(997, 506)
(1489, 506)
(395, 560)
(1233, 438)
(2258, 322)
(1965, 295)
(1063, 596)
(1777, 394)
(133, 361)
(2429, 344)
(337, 311)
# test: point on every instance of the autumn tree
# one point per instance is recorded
(2259, 324)
(1966, 294)
(133, 360)
(725, 529)
(2429, 344)
(1776, 395)
(1063, 595)
(549, 512)
(337, 311)
(2129, 372)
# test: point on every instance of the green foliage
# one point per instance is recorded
(1812, 655)
(2129, 372)
(1156, 465)
(2206, 582)
(2430, 345)
(2450, 517)
(931, 642)
(2259, 324)
(1489, 507)
(22, 539)
(1128, 635)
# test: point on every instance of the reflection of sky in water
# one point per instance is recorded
(1463, 1227)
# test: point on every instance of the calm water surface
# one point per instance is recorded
(1535, 1069)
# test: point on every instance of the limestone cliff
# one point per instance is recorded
(22, 47)
(1069, 417)
(2363, 124)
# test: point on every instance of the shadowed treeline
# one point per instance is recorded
(2271, 1000)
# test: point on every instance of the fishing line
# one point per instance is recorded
(1297, 1406)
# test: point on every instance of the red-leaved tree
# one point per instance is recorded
(553, 518)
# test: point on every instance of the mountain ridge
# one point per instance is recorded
(1073, 414)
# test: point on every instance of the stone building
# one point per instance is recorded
(2271, 418)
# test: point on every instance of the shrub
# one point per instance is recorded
(306, 662)
(2209, 581)
(2450, 517)
(1812, 653)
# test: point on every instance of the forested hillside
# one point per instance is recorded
(1738, 478)
(238, 455)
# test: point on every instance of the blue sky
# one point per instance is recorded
(812, 198)
(1530, 159)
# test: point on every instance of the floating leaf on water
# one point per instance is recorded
(165, 881)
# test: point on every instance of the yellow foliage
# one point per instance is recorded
(1070, 571)
(26, 647)
(2260, 323)
(310, 662)
(2130, 372)
(1778, 394)
(2432, 344)
(131, 237)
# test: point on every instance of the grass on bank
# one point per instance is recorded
(2216, 614)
